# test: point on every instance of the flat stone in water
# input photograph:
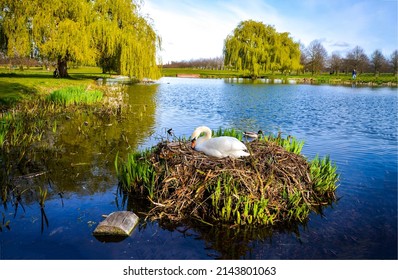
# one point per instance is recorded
(119, 223)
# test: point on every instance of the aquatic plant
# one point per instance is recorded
(228, 132)
(271, 186)
(232, 206)
(324, 175)
(291, 144)
(54, 126)
(42, 196)
(136, 171)
(4, 127)
(4, 223)
(75, 95)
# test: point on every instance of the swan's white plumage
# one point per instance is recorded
(223, 146)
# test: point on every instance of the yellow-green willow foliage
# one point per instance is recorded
(107, 32)
(258, 48)
(16, 26)
(125, 41)
(61, 32)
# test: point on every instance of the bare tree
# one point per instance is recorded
(335, 62)
(303, 57)
(357, 59)
(378, 61)
(216, 63)
(316, 56)
(394, 61)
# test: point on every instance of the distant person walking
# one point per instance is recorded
(354, 74)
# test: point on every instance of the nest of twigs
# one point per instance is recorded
(271, 185)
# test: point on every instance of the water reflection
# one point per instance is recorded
(220, 241)
(88, 143)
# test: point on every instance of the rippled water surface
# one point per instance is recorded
(356, 126)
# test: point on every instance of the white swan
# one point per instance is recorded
(222, 146)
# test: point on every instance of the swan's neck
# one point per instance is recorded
(207, 132)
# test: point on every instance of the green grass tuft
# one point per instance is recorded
(290, 144)
(74, 96)
(136, 172)
(324, 175)
(228, 132)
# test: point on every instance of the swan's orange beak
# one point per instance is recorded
(193, 143)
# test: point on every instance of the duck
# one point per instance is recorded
(252, 134)
(220, 147)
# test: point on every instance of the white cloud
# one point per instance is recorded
(195, 29)
(192, 33)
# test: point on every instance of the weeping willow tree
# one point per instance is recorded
(125, 41)
(16, 27)
(107, 32)
(61, 32)
(256, 47)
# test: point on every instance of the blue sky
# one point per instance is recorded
(192, 29)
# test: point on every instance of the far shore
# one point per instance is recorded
(291, 80)
(22, 82)
(366, 79)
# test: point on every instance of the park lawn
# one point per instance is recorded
(204, 73)
(16, 85)
(342, 78)
(323, 78)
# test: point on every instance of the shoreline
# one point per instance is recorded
(290, 80)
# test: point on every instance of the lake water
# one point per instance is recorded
(356, 126)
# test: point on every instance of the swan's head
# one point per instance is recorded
(195, 135)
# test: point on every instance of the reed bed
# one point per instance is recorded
(274, 185)
(27, 130)
(75, 95)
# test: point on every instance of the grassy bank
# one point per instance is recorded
(204, 73)
(16, 85)
(365, 79)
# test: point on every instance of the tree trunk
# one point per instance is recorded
(62, 68)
